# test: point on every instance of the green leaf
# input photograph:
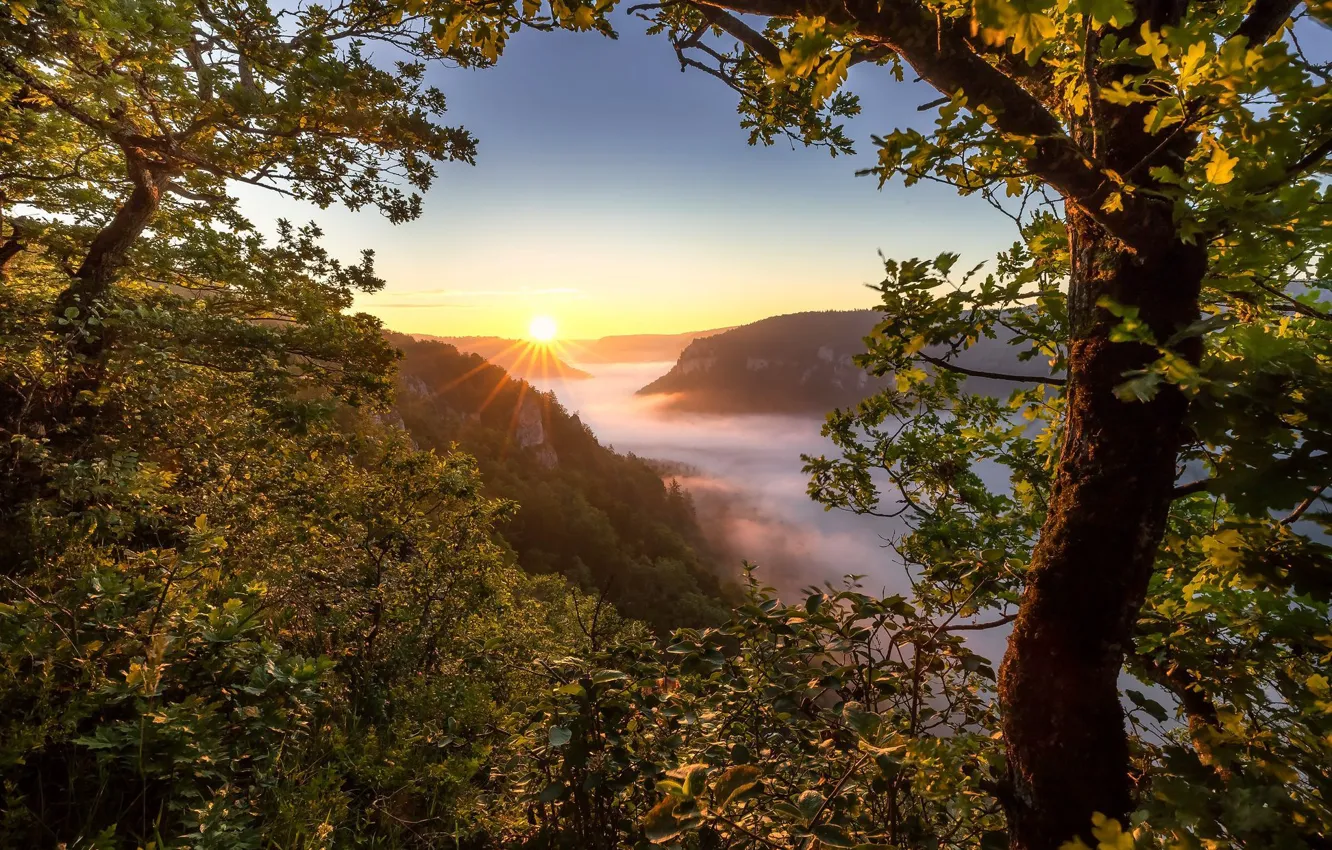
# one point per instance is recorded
(559, 736)
(1140, 388)
(809, 803)
(670, 786)
(1149, 705)
(1116, 13)
(695, 779)
(888, 765)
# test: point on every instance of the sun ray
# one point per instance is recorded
(486, 361)
(513, 371)
(561, 356)
(565, 346)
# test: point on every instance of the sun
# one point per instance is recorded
(542, 329)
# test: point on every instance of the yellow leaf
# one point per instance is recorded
(1152, 46)
(1031, 31)
(584, 18)
(1225, 549)
(1109, 835)
(1221, 167)
(1193, 60)
(449, 36)
(1114, 203)
(908, 378)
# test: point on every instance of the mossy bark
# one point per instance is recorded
(1068, 754)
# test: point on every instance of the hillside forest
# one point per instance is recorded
(274, 577)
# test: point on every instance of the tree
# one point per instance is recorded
(232, 604)
(124, 120)
(1165, 164)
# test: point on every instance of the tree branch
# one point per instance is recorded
(979, 627)
(1265, 18)
(1199, 486)
(1204, 720)
(744, 33)
(1305, 505)
(941, 52)
(12, 246)
(63, 103)
(980, 373)
(205, 197)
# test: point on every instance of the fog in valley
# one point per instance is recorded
(748, 488)
(746, 480)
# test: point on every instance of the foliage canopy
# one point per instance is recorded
(239, 610)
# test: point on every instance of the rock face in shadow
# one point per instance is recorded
(797, 363)
(529, 433)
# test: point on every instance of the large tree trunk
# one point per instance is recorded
(110, 249)
(1063, 723)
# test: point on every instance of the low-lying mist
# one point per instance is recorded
(745, 477)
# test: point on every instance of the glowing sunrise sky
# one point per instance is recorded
(617, 195)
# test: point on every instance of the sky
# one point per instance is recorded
(616, 194)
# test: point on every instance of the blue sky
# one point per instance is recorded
(619, 195)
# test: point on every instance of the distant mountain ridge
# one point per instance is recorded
(795, 363)
(519, 357)
(635, 348)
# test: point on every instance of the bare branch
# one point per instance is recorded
(1199, 486)
(979, 373)
(205, 197)
(1305, 505)
(976, 627)
(744, 33)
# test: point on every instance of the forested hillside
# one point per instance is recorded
(604, 520)
(798, 363)
(814, 362)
